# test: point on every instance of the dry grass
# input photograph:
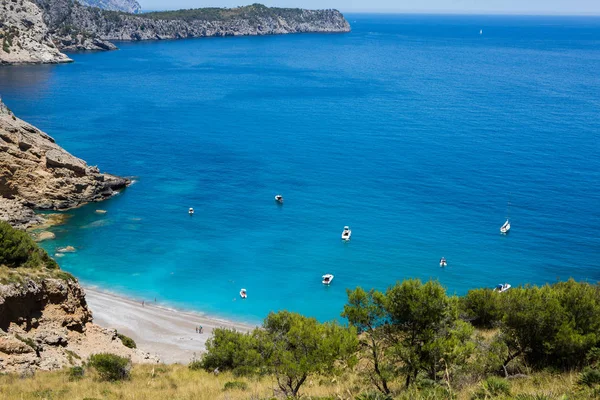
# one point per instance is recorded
(20, 274)
(161, 382)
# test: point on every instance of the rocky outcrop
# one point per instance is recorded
(128, 6)
(24, 35)
(73, 26)
(47, 325)
(36, 173)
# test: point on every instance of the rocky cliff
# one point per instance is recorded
(36, 173)
(24, 35)
(128, 6)
(47, 325)
(72, 26)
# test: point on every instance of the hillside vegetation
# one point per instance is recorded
(412, 341)
(251, 12)
(21, 258)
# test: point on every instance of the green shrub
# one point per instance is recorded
(195, 365)
(17, 249)
(532, 397)
(492, 387)
(235, 385)
(373, 396)
(76, 373)
(127, 341)
(589, 377)
(110, 367)
(482, 307)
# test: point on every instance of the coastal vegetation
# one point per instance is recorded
(21, 258)
(411, 341)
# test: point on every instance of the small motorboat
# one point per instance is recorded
(346, 233)
(504, 229)
(243, 293)
(191, 211)
(502, 287)
(443, 262)
(279, 199)
(327, 278)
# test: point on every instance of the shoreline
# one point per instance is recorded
(168, 333)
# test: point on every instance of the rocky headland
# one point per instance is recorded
(24, 35)
(38, 174)
(67, 25)
(46, 324)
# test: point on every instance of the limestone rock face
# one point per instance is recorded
(128, 6)
(47, 325)
(37, 173)
(24, 36)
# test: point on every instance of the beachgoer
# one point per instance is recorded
(200, 328)
(196, 329)
(142, 303)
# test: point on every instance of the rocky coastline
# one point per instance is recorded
(37, 31)
(38, 174)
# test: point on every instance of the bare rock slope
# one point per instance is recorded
(47, 325)
(24, 35)
(36, 173)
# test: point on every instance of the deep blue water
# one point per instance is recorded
(414, 130)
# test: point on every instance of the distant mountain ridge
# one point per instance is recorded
(128, 6)
(67, 25)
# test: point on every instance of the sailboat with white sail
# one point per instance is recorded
(504, 229)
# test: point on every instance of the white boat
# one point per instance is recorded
(443, 262)
(481, 31)
(191, 211)
(504, 229)
(327, 278)
(279, 199)
(346, 233)
(502, 287)
(243, 293)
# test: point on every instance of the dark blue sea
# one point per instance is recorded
(416, 131)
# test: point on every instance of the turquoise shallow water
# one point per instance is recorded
(413, 130)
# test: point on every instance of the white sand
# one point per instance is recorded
(167, 333)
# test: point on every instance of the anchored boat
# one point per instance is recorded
(327, 278)
(243, 293)
(346, 233)
(502, 287)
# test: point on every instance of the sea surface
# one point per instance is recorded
(416, 131)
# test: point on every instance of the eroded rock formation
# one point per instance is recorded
(47, 325)
(36, 173)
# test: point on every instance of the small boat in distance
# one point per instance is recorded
(327, 278)
(443, 262)
(279, 199)
(504, 229)
(346, 233)
(243, 294)
(191, 211)
(502, 287)
(481, 31)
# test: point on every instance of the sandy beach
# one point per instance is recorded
(168, 333)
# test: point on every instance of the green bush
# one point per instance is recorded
(196, 365)
(589, 377)
(17, 249)
(373, 396)
(110, 367)
(76, 373)
(235, 385)
(127, 341)
(492, 387)
(482, 307)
